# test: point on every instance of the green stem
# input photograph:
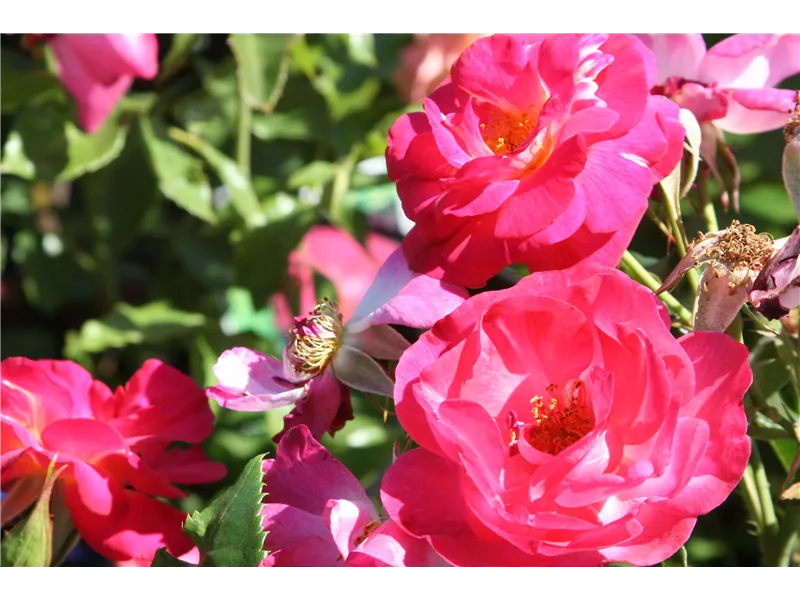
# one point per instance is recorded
(673, 217)
(710, 216)
(750, 494)
(243, 133)
(769, 529)
(788, 538)
(644, 277)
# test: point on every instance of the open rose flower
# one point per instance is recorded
(98, 69)
(425, 63)
(538, 149)
(561, 423)
(318, 515)
(117, 449)
(325, 355)
(730, 87)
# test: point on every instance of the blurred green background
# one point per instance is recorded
(158, 237)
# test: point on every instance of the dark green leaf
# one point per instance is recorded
(24, 79)
(263, 64)
(165, 559)
(125, 325)
(180, 176)
(236, 183)
(29, 543)
(46, 143)
(262, 255)
(182, 44)
(317, 172)
(229, 532)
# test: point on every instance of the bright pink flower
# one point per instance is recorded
(425, 63)
(98, 69)
(318, 515)
(560, 423)
(733, 83)
(326, 355)
(117, 449)
(539, 149)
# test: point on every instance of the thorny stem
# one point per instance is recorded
(644, 277)
(789, 535)
(747, 487)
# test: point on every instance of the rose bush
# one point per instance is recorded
(560, 423)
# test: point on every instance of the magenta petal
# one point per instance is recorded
(252, 381)
(297, 538)
(305, 475)
(400, 296)
(326, 407)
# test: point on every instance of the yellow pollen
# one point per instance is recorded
(559, 423)
(504, 133)
(316, 338)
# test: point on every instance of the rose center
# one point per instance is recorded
(315, 338)
(503, 132)
(560, 422)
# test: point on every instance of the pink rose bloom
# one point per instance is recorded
(425, 63)
(327, 353)
(560, 423)
(318, 515)
(98, 69)
(733, 83)
(539, 149)
(117, 447)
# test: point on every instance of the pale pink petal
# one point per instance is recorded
(400, 296)
(390, 546)
(756, 111)
(252, 381)
(748, 60)
(677, 54)
(347, 522)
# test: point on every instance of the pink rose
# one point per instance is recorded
(318, 515)
(98, 69)
(117, 448)
(327, 352)
(560, 423)
(426, 62)
(733, 83)
(539, 149)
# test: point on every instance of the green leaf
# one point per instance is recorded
(229, 532)
(125, 325)
(317, 172)
(679, 559)
(182, 44)
(262, 255)
(29, 543)
(361, 48)
(24, 80)
(165, 559)
(45, 143)
(237, 184)
(180, 176)
(263, 65)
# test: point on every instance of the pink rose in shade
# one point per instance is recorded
(426, 62)
(118, 449)
(539, 149)
(560, 423)
(733, 83)
(341, 259)
(98, 69)
(318, 515)
(325, 356)
(730, 87)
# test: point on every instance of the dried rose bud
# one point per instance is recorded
(733, 258)
(776, 290)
